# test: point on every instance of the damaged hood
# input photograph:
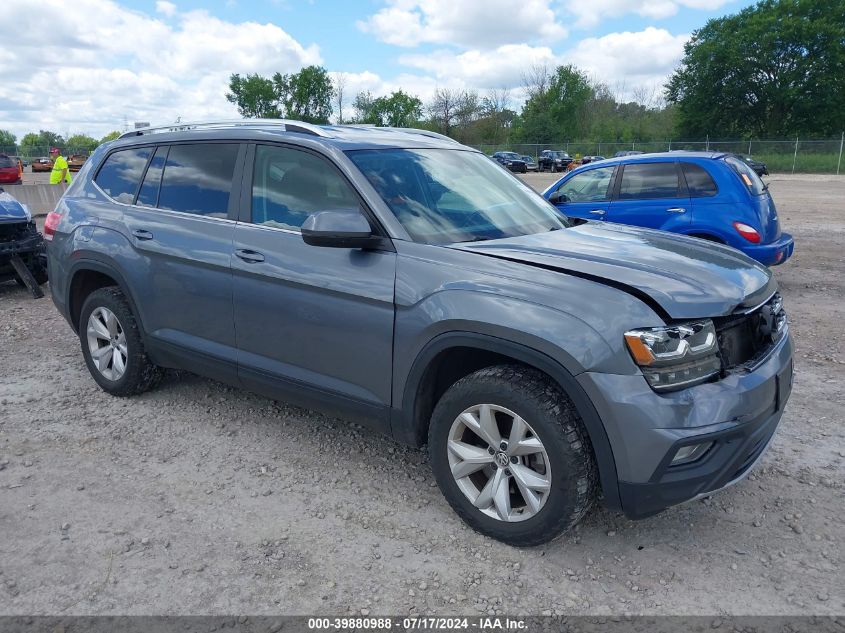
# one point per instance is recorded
(11, 210)
(682, 277)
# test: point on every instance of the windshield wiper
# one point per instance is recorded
(477, 238)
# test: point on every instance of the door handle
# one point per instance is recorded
(250, 257)
(141, 234)
(677, 210)
(598, 211)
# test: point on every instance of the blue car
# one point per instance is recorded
(713, 196)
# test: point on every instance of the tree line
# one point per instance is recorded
(773, 70)
(39, 143)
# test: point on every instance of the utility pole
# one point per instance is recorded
(708, 143)
(795, 155)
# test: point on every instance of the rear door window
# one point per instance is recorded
(699, 183)
(197, 179)
(121, 173)
(645, 181)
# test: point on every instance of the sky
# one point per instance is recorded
(93, 66)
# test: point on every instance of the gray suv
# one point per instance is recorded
(400, 279)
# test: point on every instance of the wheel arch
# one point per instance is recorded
(425, 384)
(88, 275)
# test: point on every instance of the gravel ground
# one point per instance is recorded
(201, 499)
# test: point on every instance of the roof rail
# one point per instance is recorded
(405, 130)
(287, 125)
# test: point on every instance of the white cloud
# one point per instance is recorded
(502, 67)
(166, 8)
(102, 62)
(629, 61)
(465, 23)
(592, 12)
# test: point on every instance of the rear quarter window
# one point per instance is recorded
(120, 175)
(747, 176)
(699, 182)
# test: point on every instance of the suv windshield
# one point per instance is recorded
(443, 196)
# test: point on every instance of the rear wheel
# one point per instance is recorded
(112, 344)
(511, 455)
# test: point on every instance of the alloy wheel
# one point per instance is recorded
(499, 462)
(107, 343)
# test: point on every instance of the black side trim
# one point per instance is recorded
(373, 416)
(408, 429)
(631, 290)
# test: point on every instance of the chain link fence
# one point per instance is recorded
(29, 152)
(781, 156)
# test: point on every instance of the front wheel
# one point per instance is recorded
(511, 455)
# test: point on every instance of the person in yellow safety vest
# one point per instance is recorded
(60, 172)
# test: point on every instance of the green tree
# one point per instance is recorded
(255, 96)
(774, 69)
(111, 136)
(40, 143)
(558, 109)
(398, 109)
(7, 140)
(306, 95)
(82, 142)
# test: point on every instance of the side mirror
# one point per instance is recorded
(558, 198)
(338, 228)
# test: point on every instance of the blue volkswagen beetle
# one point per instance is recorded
(713, 196)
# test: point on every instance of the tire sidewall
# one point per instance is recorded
(560, 509)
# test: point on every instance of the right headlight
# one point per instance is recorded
(676, 356)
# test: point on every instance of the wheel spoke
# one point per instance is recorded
(518, 431)
(527, 446)
(532, 499)
(502, 498)
(118, 364)
(472, 458)
(97, 328)
(111, 323)
(485, 497)
(529, 478)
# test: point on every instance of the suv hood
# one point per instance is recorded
(680, 277)
(11, 210)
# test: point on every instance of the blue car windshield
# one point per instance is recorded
(442, 196)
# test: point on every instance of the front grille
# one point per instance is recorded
(746, 338)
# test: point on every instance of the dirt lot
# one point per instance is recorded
(198, 498)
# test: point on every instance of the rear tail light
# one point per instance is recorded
(51, 223)
(748, 232)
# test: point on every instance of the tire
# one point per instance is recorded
(552, 421)
(139, 373)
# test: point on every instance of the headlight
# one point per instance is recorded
(676, 356)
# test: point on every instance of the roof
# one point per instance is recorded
(656, 156)
(343, 136)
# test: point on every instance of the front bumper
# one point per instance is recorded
(772, 254)
(738, 413)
